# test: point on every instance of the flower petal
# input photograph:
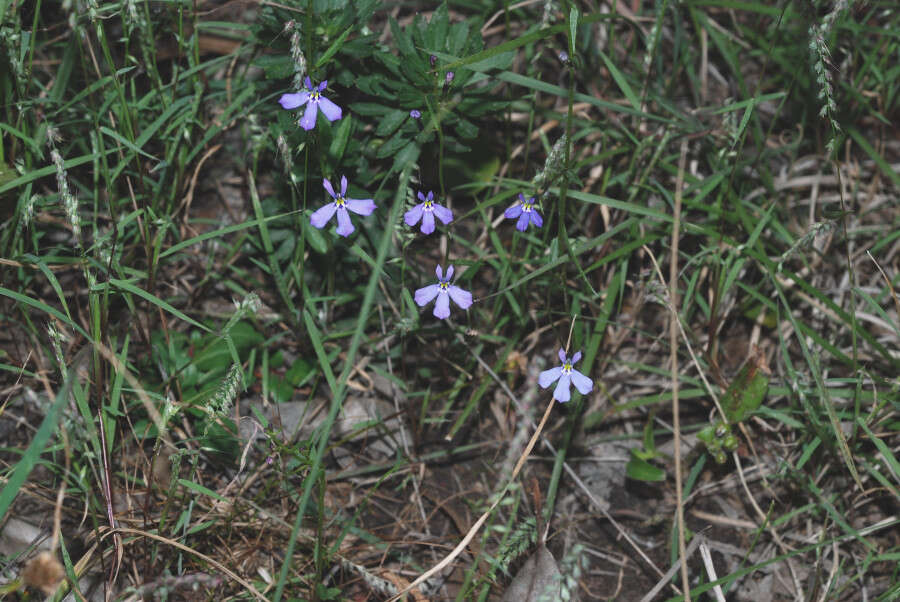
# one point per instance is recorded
(421, 196)
(327, 185)
(412, 216)
(548, 377)
(292, 101)
(439, 272)
(521, 198)
(424, 295)
(430, 196)
(443, 214)
(345, 226)
(576, 357)
(449, 272)
(308, 83)
(343, 185)
(361, 206)
(562, 355)
(308, 121)
(522, 224)
(323, 85)
(561, 392)
(442, 307)
(514, 211)
(321, 215)
(428, 222)
(582, 382)
(536, 218)
(330, 110)
(460, 297)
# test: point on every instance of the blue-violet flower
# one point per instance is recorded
(317, 102)
(566, 375)
(444, 291)
(340, 205)
(415, 114)
(526, 212)
(426, 211)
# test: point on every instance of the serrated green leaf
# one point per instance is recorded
(466, 129)
(436, 32)
(409, 154)
(391, 146)
(390, 122)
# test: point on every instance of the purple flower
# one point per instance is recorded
(313, 94)
(432, 59)
(340, 205)
(426, 211)
(449, 77)
(566, 374)
(563, 56)
(444, 291)
(526, 212)
(415, 114)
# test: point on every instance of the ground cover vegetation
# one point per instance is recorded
(475, 300)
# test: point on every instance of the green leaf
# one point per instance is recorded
(409, 154)
(391, 146)
(217, 357)
(335, 46)
(747, 390)
(390, 122)
(620, 80)
(276, 66)
(153, 299)
(314, 238)
(641, 470)
(22, 468)
(201, 489)
(573, 29)
(341, 137)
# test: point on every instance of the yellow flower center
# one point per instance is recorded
(429, 206)
(567, 367)
(444, 285)
(339, 201)
(314, 96)
(526, 207)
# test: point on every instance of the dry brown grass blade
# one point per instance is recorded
(481, 519)
(246, 584)
(673, 359)
(888, 282)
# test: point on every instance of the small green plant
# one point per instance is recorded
(745, 394)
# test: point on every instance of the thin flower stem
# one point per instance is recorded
(307, 34)
(673, 361)
(564, 185)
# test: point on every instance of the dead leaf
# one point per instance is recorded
(538, 579)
